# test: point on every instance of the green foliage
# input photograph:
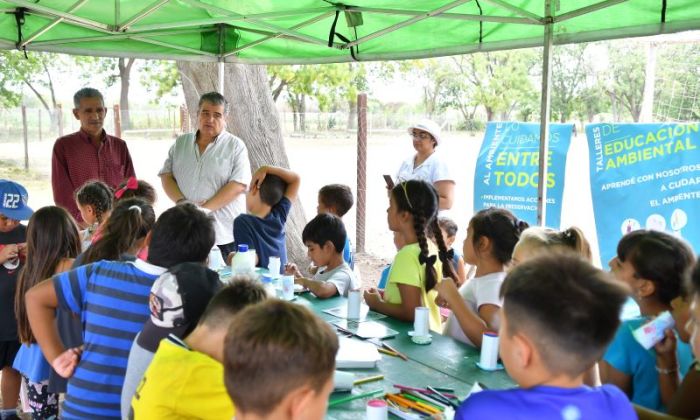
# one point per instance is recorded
(570, 71)
(329, 84)
(106, 67)
(32, 71)
(160, 77)
(499, 82)
(625, 78)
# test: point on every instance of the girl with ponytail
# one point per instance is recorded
(491, 237)
(537, 239)
(124, 233)
(416, 269)
(123, 237)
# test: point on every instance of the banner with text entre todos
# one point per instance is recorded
(507, 169)
(644, 176)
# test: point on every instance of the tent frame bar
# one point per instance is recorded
(449, 16)
(524, 13)
(77, 5)
(294, 34)
(588, 9)
(228, 19)
(411, 21)
(277, 35)
(87, 23)
(117, 37)
(142, 14)
(173, 46)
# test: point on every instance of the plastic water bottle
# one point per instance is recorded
(269, 286)
(242, 263)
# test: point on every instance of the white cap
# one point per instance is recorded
(429, 126)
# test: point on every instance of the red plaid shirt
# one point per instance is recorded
(76, 160)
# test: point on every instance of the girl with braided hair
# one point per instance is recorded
(94, 201)
(491, 237)
(416, 269)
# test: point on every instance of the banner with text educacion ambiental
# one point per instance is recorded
(644, 176)
(507, 169)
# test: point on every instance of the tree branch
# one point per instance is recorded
(38, 95)
(278, 90)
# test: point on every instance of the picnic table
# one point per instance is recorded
(445, 362)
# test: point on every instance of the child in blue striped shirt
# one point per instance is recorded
(111, 297)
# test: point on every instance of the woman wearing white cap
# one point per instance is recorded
(427, 165)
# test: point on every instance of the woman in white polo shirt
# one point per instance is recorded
(427, 165)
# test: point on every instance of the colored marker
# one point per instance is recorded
(355, 397)
(368, 379)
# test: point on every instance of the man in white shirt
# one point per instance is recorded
(210, 168)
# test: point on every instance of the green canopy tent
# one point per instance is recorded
(318, 31)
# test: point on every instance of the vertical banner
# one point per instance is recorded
(644, 176)
(507, 169)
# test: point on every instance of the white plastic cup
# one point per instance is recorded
(287, 287)
(274, 266)
(354, 301)
(421, 326)
(489, 350)
(343, 381)
(377, 410)
(216, 260)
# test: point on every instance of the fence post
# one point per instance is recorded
(117, 121)
(39, 114)
(26, 138)
(59, 111)
(361, 171)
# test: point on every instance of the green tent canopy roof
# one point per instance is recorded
(299, 31)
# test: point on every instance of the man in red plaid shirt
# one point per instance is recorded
(88, 154)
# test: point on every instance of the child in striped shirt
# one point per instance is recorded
(111, 298)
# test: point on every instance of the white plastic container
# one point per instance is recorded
(243, 262)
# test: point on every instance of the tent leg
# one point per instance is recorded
(545, 111)
(221, 77)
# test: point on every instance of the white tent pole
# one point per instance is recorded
(221, 77)
(544, 115)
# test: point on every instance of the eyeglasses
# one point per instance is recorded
(421, 135)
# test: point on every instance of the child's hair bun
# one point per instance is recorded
(521, 225)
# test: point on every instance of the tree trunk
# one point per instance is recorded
(302, 113)
(489, 113)
(252, 117)
(124, 75)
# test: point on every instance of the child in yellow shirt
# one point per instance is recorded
(186, 377)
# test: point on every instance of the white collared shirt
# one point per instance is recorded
(432, 170)
(200, 176)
